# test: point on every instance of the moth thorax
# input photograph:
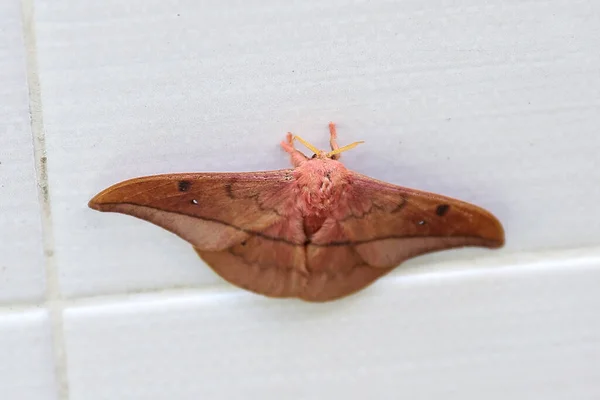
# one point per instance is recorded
(320, 183)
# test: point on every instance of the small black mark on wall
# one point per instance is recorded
(442, 209)
(184, 186)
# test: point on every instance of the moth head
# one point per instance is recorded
(322, 154)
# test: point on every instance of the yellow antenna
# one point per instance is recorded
(308, 145)
(331, 153)
(344, 148)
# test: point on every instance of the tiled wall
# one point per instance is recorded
(495, 102)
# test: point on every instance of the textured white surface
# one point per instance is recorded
(21, 263)
(466, 336)
(26, 366)
(496, 102)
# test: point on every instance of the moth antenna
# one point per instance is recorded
(344, 148)
(308, 145)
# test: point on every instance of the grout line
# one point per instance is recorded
(524, 262)
(54, 301)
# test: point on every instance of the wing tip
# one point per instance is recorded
(100, 203)
(497, 239)
(108, 198)
(501, 234)
(95, 204)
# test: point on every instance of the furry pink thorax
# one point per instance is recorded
(320, 184)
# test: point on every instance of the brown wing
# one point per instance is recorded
(379, 225)
(240, 224)
(398, 223)
(278, 269)
(212, 211)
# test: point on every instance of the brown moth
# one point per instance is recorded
(317, 231)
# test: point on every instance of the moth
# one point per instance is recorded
(317, 231)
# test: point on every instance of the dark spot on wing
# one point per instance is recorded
(442, 209)
(184, 186)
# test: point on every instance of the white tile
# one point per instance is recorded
(515, 333)
(21, 263)
(26, 366)
(495, 103)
